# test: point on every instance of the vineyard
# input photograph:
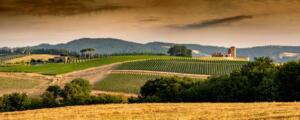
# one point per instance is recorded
(185, 65)
(61, 68)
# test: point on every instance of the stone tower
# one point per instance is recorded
(232, 51)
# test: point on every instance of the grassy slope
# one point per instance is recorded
(127, 83)
(186, 65)
(61, 68)
(14, 83)
(164, 111)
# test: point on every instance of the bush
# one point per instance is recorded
(105, 99)
(166, 88)
(75, 93)
(289, 81)
(256, 81)
(15, 101)
(180, 50)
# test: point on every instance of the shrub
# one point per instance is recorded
(289, 81)
(165, 88)
(14, 101)
(105, 99)
(254, 82)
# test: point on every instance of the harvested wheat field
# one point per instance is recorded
(163, 111)
(27, 58)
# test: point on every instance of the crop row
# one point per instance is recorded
(192, 66)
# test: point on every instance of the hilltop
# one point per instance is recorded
(110, 45)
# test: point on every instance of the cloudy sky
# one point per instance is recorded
(242, 23)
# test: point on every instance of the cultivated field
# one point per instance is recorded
(4, 58)
(185, 65)
(9, 84)
(127, 82)
(61, 68)
(28, 58)
(164, 111)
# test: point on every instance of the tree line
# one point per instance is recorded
(77, 92)
(260, 80)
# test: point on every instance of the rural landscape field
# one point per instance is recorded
(149, 60)
(164, 111)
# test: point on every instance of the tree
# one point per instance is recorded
(56, 90)
(260, 79)
(165, 88)
(76, 92)
(180, 50)
(289, 81)
(14, 101)
(84, 84)
(52, 96)
(87, 52)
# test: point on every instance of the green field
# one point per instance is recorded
(61, 68)
(124, 82)
(127, 83)
(185, 65)
(14, 83)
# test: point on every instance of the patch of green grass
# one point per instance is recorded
(61, 68)
(126, 83)
(14, 83)
(185, 65)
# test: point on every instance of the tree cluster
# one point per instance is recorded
(260, 80)
(180, 50)
(75, 93)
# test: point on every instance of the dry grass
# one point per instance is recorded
(167, 111)
(28, 58)
(13, 84)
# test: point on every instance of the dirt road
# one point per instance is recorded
(91, 74)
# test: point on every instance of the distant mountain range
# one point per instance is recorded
(109, 46)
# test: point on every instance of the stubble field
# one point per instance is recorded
(163, 111)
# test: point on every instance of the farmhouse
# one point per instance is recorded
(231, 54)
(59, 59)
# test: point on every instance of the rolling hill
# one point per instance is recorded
(110, 45)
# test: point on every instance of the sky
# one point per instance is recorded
(241, 23)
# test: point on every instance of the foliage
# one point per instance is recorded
(260, 80)
(289, 81)
(87, 52)
(165, 88)
(52, 95)
(14, 101)
(180, 50)
(75, 93)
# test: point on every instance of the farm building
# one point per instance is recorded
(59, 59)
(231, 54)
